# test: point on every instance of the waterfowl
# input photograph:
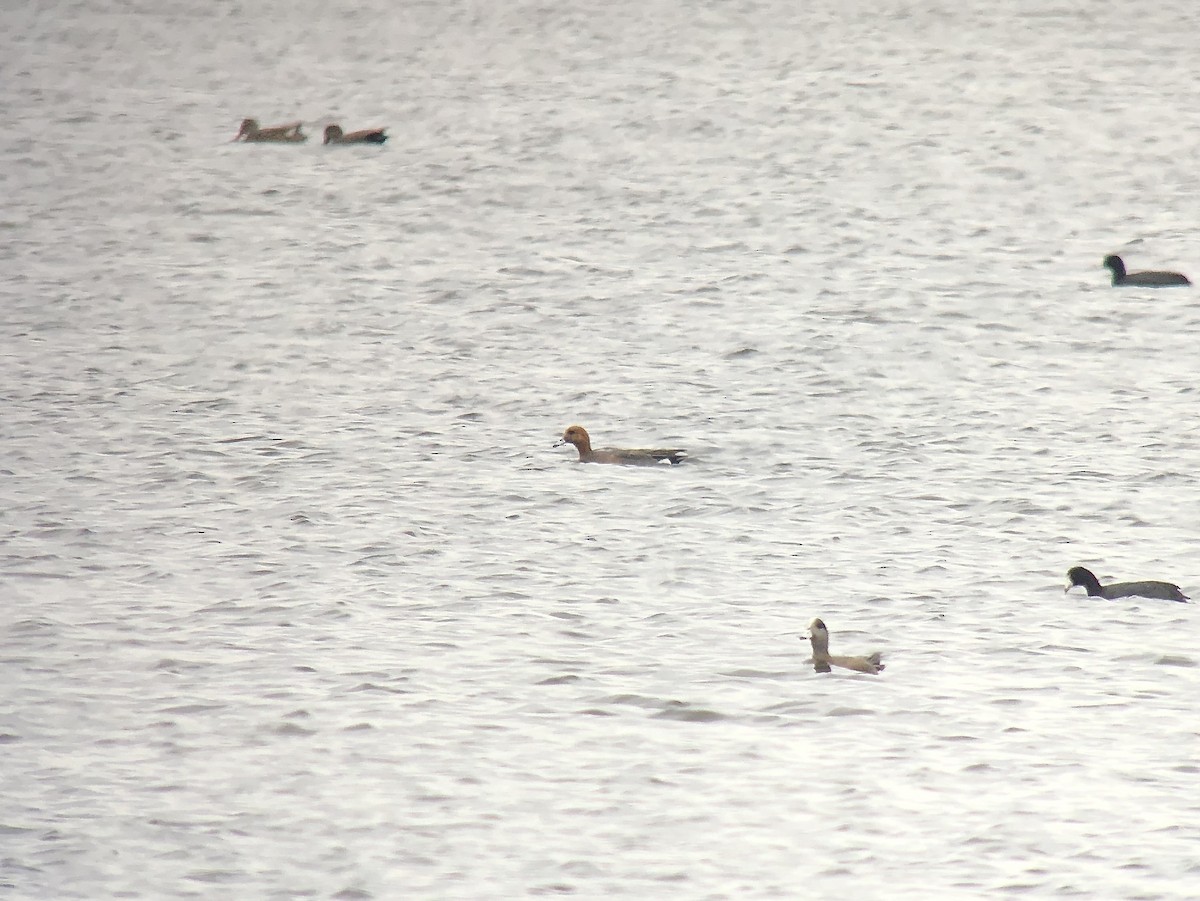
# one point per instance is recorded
(1149, 279)
(335, 135)
(1166, 591)
(578, 436)
(290, 133)
(823, 660)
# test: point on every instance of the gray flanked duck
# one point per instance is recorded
(1166, 591)
(823, 660)
(1147, 279)
(630, 456)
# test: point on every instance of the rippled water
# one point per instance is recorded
(299, 601)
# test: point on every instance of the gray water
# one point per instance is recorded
(300, 603)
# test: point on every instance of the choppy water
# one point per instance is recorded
(298, 601)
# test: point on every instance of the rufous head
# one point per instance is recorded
(576, 435)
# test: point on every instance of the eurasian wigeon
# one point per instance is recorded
(250, 132)
(1148, 279)
(823, 660)
(1162, 590)
(335, 135)
(578, 436)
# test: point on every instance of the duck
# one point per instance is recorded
(250, 132)
(578, 436)
(1167, 591)
(823, 660)
(335, 135)
(1149, 279)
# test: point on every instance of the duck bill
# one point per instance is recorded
(559, 443)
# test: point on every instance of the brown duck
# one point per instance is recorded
(335, 135)
(823, 660)
(251, 133)
(650, 456)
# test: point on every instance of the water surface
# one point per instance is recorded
(300, 603)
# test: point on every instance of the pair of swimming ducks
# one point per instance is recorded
(292, 133)
(823, 661)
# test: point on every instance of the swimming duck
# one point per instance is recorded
(250, 132)
(1142, 279)
(578, 436)
(335, 135)
(823, 660)
(1163, 590)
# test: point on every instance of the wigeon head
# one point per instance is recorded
(578, 436)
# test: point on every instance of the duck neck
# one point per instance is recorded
(820, 648)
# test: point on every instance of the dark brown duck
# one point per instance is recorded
(1166, 591)
(1147, 279)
